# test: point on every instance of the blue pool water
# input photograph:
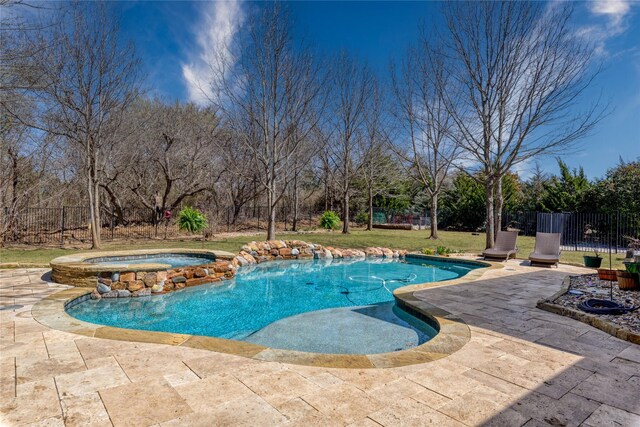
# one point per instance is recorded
(174, 260)
(258, 303)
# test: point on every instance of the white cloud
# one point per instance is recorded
(215, 33)
(614, 12)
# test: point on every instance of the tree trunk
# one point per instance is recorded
(434, 216)
(489, 209)
(271, 220)
(94, 222)
(345, 212)
(498, 204)
(370, 221)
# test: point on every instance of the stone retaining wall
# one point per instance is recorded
(145, 283)
(257, 252)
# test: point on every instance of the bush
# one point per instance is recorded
(362, 218)
(330, 220)
(191, 220)
(440, 250)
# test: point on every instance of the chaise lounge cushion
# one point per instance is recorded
(544, 258)
(505, 246)
(547, 250)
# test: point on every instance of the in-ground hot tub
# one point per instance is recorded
(84, 269)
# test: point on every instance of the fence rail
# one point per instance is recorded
(69, 224)
(581, 231)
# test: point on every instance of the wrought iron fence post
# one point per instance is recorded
(62, 227)
(575, 229)
(112, 223)
(617, 230)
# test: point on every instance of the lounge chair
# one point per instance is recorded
(547, 250)
(505, 246)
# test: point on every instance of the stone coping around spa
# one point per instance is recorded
(76, 270)
(79, 262)
(453, 332)
(611, 328)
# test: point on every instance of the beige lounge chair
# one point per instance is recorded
(505, 246)
(547, 250)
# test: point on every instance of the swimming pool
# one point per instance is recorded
(281, 304)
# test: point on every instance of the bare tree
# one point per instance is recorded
(175, 156)
(426, 146)
(352, 85)
(520, 70)
(88, 77)
(375, 171)
(268, 98)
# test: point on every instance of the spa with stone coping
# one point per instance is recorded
(84, 269)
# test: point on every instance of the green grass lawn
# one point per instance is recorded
(357, 239)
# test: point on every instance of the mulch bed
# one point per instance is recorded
(592, 287)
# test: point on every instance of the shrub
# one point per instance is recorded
(191, 220)
(440, 250)
(330, 220)
(362, 218)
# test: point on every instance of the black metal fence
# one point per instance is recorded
(255, 217)
(581, 231)
(57, 226)
(69, 224)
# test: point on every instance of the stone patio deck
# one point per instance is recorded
(522, 366)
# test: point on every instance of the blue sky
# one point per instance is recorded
(172, 39)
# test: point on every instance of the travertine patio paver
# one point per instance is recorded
(521, 366)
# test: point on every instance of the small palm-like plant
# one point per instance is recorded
(330, 220)
(191, 220)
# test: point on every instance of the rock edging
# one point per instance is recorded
(272, 250)
(144, 283)
(618, 331)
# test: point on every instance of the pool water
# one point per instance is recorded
(266, 295)
(174, 260)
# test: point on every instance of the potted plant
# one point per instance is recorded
(632, 247)
(590, 260)
(607, 274)
(629, 279)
